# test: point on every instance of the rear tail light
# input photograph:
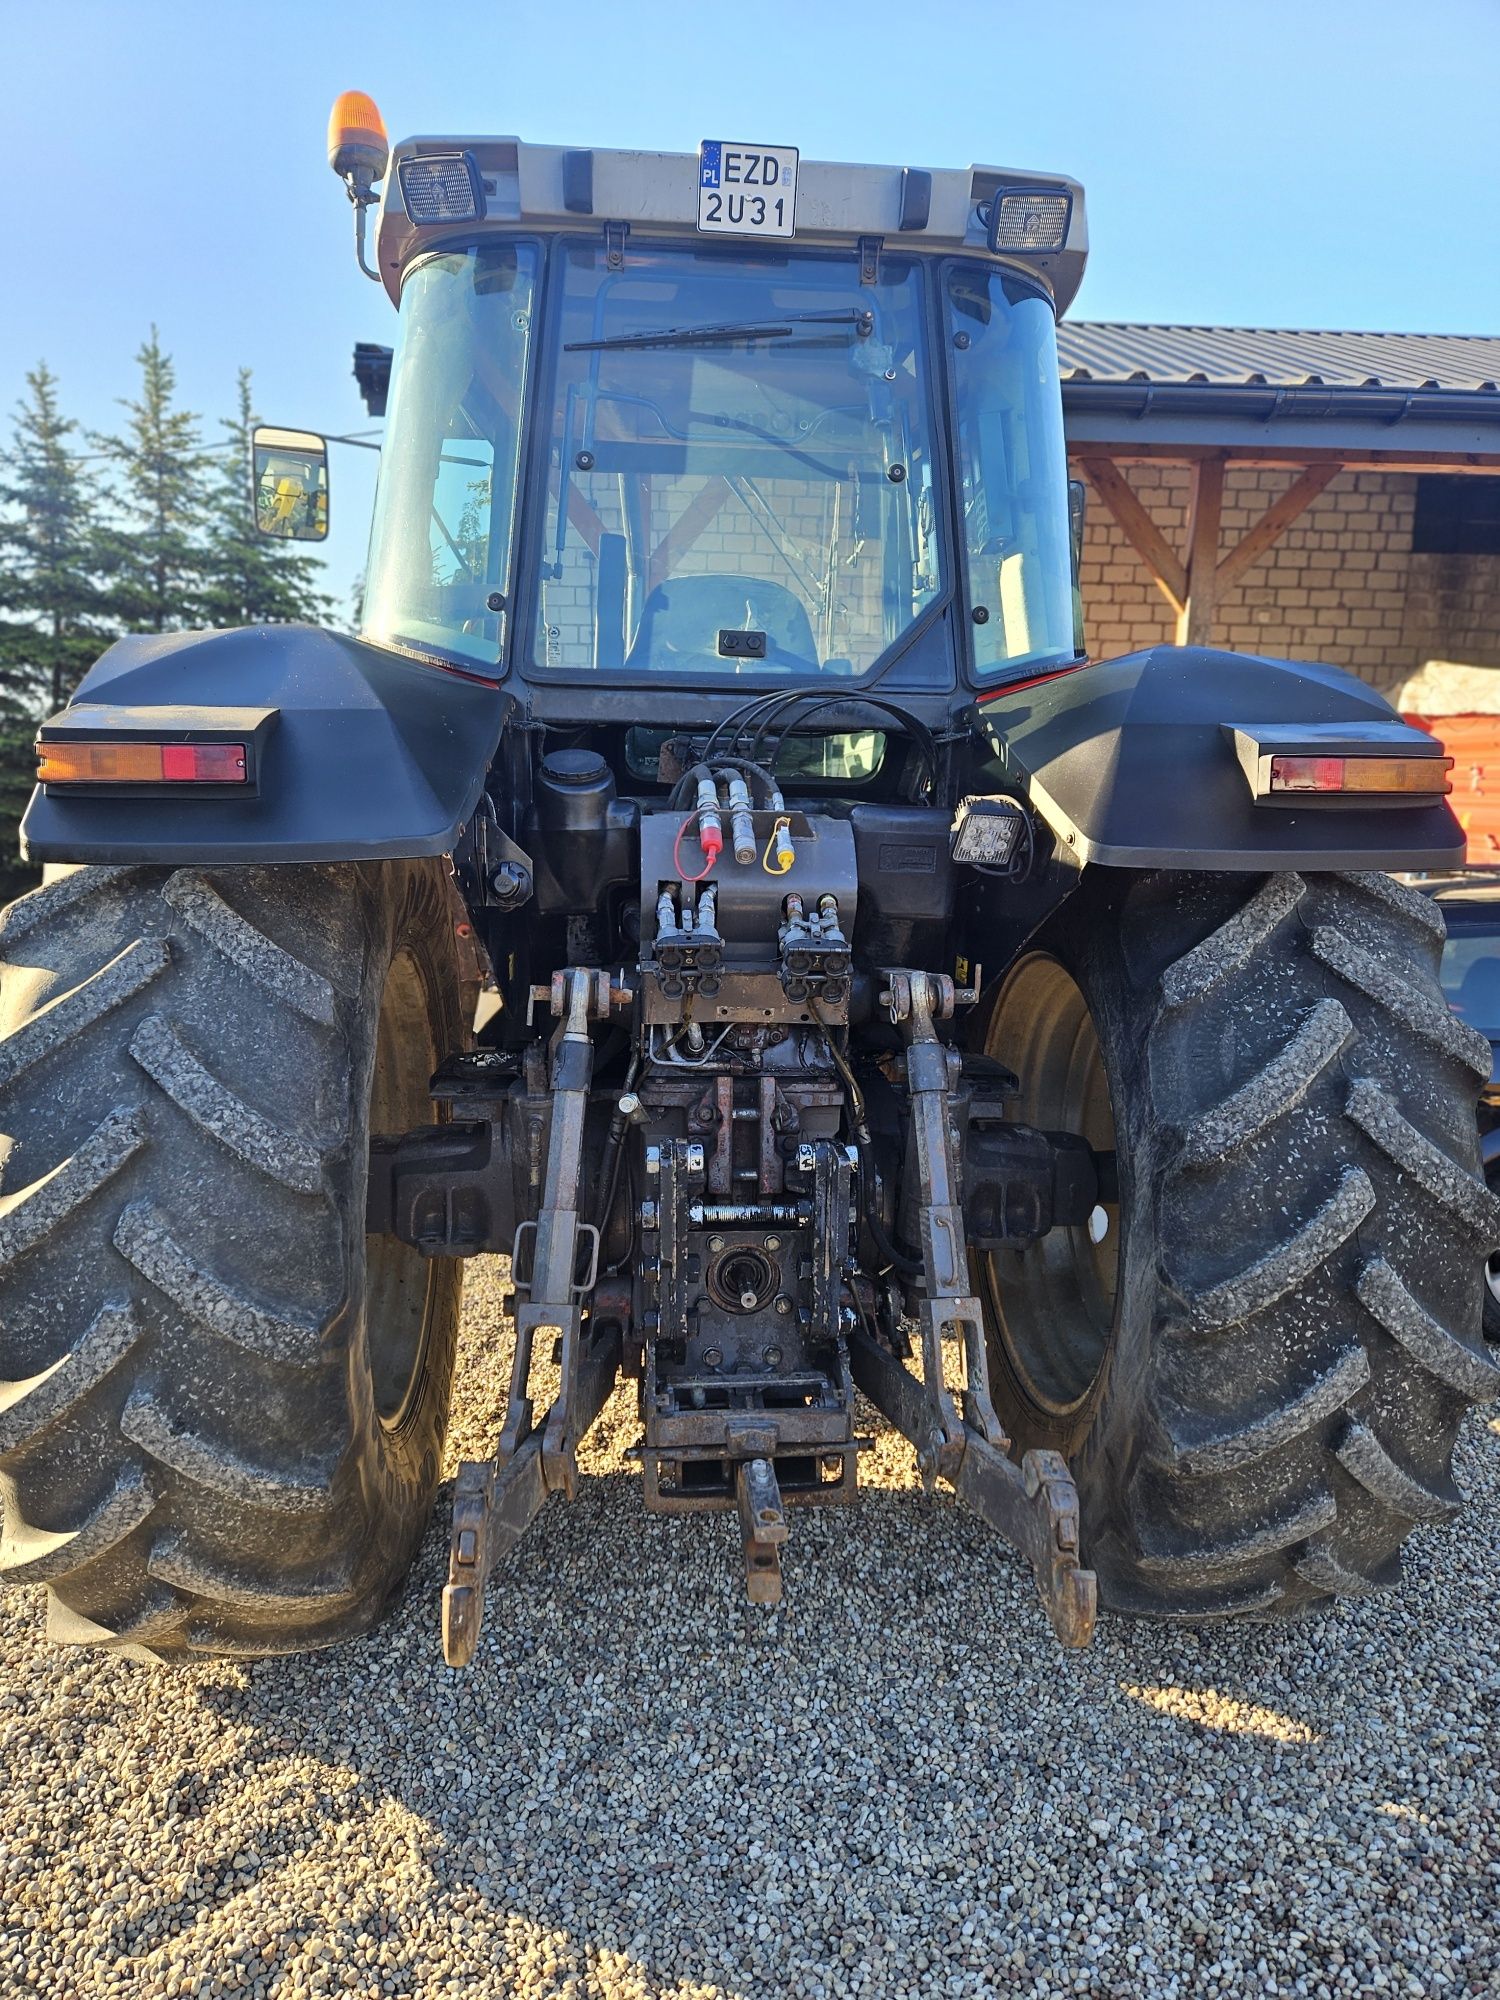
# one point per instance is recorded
(1366, 761)
(1388, 775)
(74, 762)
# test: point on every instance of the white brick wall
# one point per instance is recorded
(1340, 586)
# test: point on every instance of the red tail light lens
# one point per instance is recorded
(1307, 774)
(203, 763)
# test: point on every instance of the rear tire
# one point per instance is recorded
(222, 1407)
(1292, 1334)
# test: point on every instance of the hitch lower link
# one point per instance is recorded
(494, 1502)
(1034, 1505)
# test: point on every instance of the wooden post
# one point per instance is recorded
(1195, 620)
(1191, 587)
(1138, 528)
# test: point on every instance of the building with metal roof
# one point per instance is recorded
(1313, 495)
(1216, 417)
(1250, 357)
(1368, 397)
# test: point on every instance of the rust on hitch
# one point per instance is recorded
(763, 1528)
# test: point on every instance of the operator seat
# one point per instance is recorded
(683, 617)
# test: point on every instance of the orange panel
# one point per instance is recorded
(1473, 742)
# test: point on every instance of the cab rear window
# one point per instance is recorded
(847, 759)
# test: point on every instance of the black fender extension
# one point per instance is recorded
(372, 755)
(1130, 764)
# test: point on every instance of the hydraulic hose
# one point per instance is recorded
(614, 1149)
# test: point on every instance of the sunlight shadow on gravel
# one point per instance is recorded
(1207, 1708)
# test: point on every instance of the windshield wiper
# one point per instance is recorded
(861, 321)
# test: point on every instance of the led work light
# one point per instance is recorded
(986, 831)
(442, 187)
(1030, 218)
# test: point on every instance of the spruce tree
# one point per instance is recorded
(154, 557)
(17, 776)
(248, 578)
(54, 619)
(53, 616)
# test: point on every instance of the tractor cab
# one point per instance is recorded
(629, 443)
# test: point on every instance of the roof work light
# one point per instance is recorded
(442, 187)
(1029, 218)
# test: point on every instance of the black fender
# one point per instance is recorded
(1129, 764)
(369, 755)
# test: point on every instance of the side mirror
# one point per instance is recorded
(289, 484)
(1077, 497)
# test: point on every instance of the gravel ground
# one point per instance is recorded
(894, 1785)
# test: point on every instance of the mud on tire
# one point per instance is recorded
(1296, 1334)
(204, 1447)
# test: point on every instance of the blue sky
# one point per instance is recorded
(1320, 164)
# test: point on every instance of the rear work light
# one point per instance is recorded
(1427, 775)
(442, 187)
(985, 832)
(1030, 218)
(76, 761)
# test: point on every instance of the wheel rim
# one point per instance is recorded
(1052, 1302)
(398, 1279)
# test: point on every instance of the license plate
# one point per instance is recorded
(746, 190)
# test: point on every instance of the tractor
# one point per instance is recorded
(717, 879)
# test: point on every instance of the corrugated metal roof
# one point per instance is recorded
(1236, 356)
